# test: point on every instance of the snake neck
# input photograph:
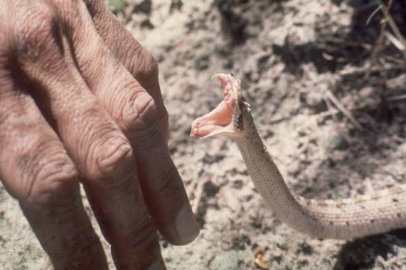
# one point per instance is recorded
(267, 179)
(338, 219)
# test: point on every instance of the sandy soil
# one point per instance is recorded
(298, 60)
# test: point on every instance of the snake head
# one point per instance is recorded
(226, 119)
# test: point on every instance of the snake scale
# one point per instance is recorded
(348, 218)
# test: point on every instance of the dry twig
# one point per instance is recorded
(393, 25)
(379, 42)
(342, 109)
(397, 98)
(362, 70)
(199, 194)
(373, 14)
(396, 42)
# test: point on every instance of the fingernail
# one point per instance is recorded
(186, 225)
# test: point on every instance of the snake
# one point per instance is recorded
(355, 217)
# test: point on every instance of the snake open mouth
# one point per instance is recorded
(219, 121)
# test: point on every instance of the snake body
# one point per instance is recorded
(360, 216)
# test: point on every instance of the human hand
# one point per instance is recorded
(80, 103)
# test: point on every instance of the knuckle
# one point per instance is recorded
(142, 113)
(50, 180)
(113, 156)
(36, 34)
(141, 125)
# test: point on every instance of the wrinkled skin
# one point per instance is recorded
(80, 103)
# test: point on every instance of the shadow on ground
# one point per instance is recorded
(362, 253)
(331, 51)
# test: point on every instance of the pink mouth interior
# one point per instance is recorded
(220, 119)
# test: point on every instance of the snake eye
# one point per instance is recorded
(232, 74)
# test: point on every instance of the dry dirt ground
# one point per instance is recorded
(329, 103)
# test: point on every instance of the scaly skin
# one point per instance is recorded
(338, 219)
